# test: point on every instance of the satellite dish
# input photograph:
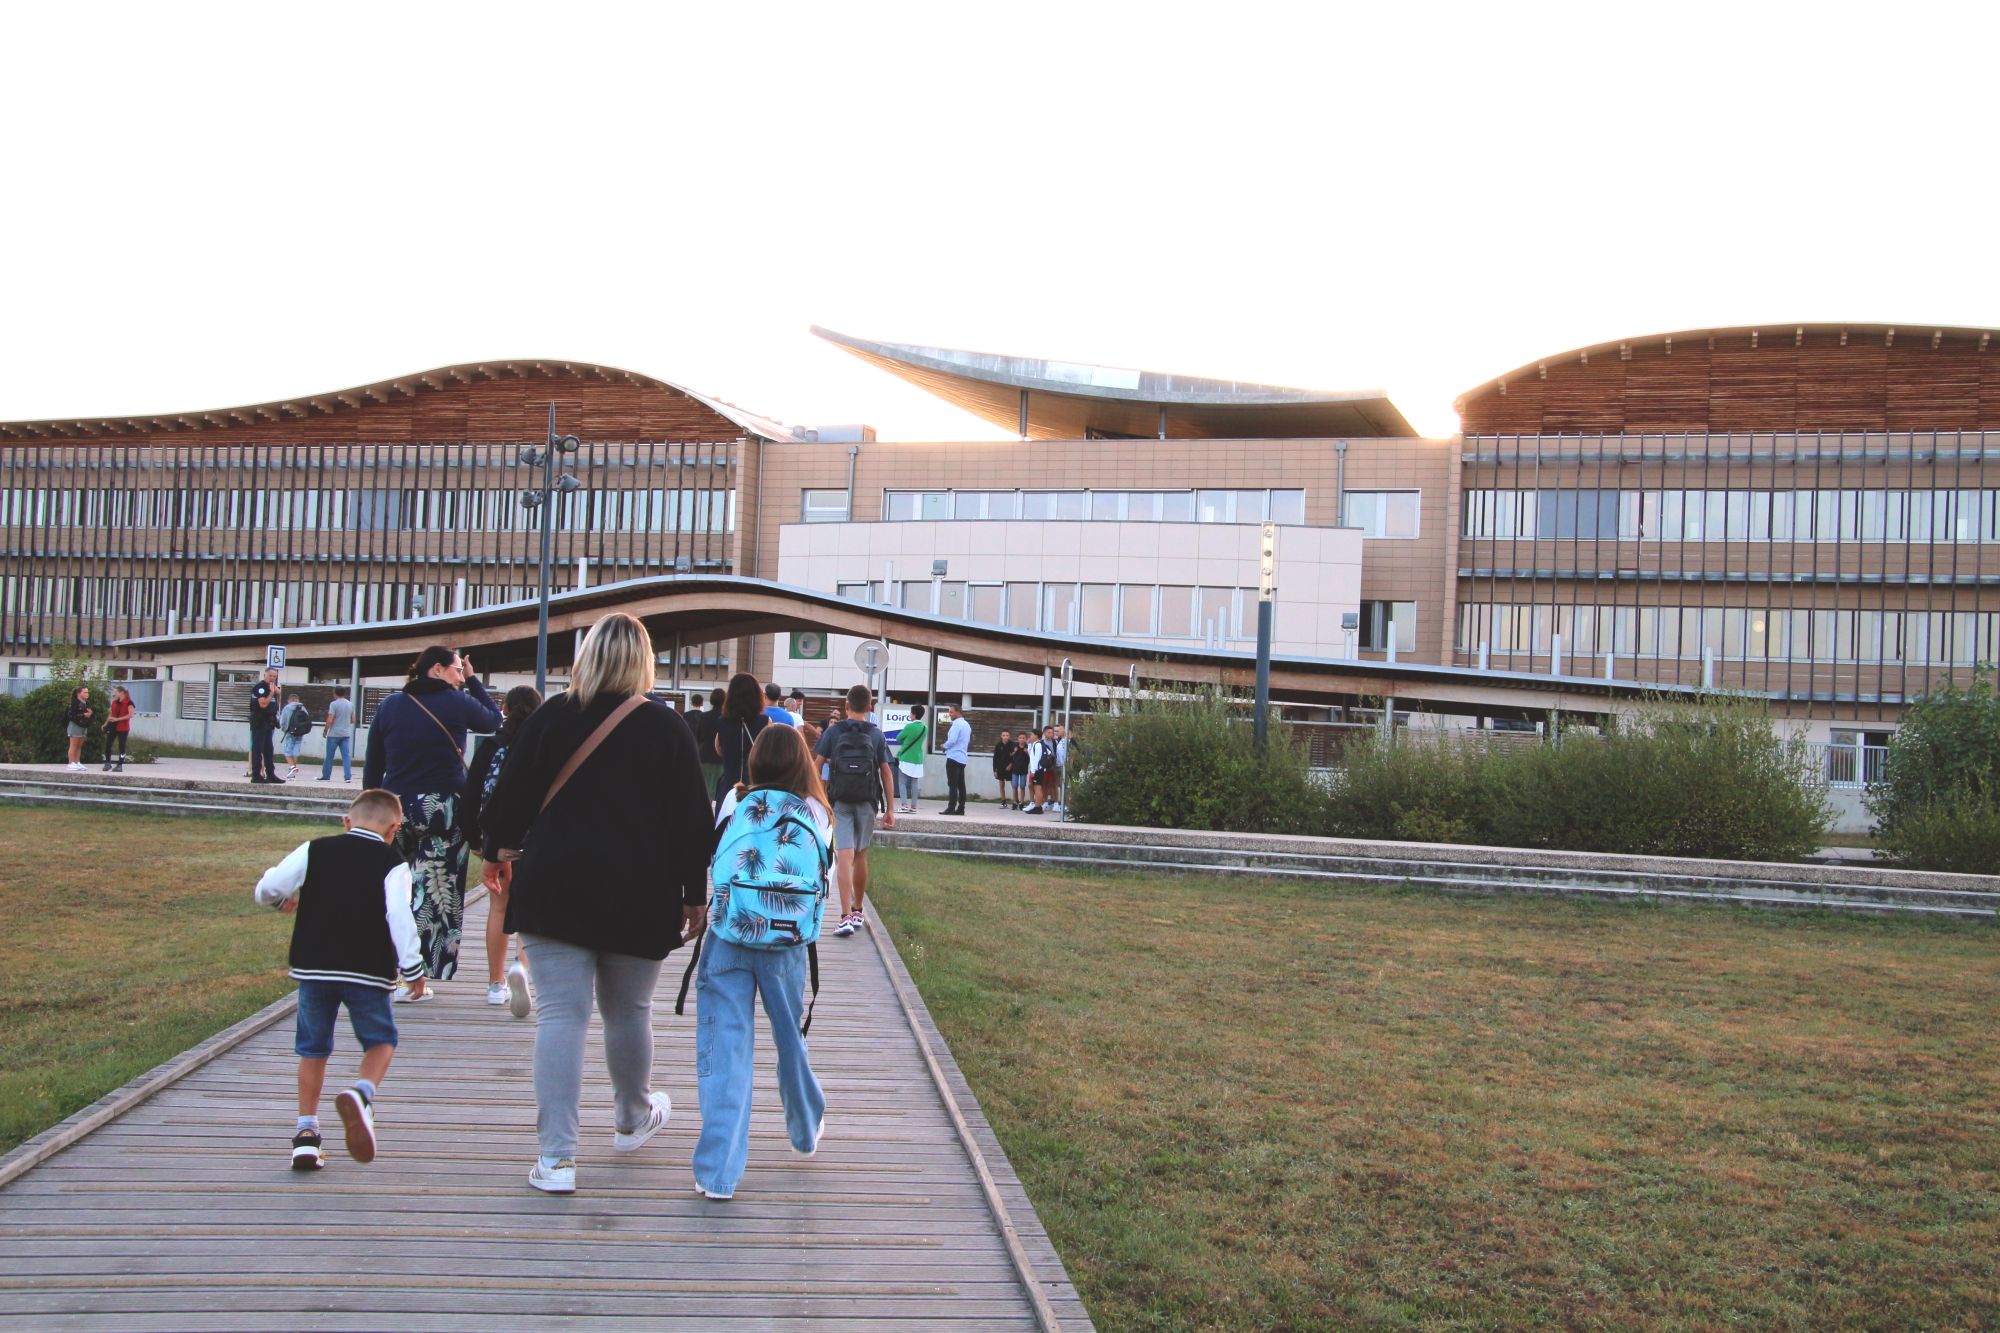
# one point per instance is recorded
(871, 655)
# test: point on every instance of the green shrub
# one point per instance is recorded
(1706, 780)
(14, 747)
(1938, 799)
(42, 735)
(1958, 833)
(1189, 761)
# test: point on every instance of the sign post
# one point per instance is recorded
(274, 656)
(1267, 588)
(872, 656)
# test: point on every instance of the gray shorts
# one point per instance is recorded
(73, 729)
(853, 826)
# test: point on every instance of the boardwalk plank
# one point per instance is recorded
(163, 1217)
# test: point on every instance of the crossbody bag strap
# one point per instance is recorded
(589, 746)
(456, 752)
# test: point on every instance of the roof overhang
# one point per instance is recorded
(709, 608)
(1071, 401)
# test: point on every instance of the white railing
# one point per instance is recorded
(1845, 765)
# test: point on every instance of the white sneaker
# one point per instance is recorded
(358, 1119)
(557, 1179)
(518, 1000)
(663, 1107)
(496, 992)
(75, 768)
(707, 1193)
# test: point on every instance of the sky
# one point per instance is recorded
(213, 204)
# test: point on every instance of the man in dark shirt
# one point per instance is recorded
(263, 725)
(704, 724)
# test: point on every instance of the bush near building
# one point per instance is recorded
(1937, 805)
(1186, 760)
(1711, 779)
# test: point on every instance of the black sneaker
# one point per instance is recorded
(307, 1153)
(357, 1117)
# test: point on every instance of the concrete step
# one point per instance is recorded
(78, 790)
(1077, 850)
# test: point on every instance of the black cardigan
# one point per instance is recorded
(622, 848)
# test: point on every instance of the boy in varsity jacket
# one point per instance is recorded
(354, 937)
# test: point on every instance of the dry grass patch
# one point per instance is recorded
(1259, 1106)
(129, 938)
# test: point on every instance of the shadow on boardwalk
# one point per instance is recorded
(182, 1212)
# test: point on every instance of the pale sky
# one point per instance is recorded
(210, 205)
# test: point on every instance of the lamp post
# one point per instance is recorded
(1266, 589)
(542, 499)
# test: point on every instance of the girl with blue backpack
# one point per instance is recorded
(767, 896)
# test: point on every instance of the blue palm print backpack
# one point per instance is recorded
(767, 881)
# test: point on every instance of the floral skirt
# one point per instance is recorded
(435, 847)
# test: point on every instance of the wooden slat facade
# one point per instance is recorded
(183, 1211)
(1781, 379)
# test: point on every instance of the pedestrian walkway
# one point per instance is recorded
(181, 1211)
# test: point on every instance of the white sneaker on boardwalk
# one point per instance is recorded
(557, 1179)
(663, 1107)
(518, 1000)
(496, 992)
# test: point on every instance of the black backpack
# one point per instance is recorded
(854, 776)
(301, 723)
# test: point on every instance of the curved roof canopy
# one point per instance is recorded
(1064, 400)
(401, 389)
(1793, 334)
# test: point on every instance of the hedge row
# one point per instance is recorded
(1709, 780)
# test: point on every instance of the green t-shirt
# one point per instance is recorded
(910, 743)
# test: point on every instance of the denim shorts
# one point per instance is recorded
(853, 826)
(368, 1012)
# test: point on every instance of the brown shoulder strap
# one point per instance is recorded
(590, 744)
(442, 727)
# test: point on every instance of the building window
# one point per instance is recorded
(1022, 601)
(1279, 506)
(1097, 617)
(1135, 611)
(1384, 622)
(817, 507)
(1177, 613)
(983, 603)
(1383, 513)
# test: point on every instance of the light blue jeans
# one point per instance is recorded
(729, 979)
(344, 744)
(907, 784)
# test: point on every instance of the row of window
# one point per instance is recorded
(1106, 610)
(197, 601)
(1919, 517)
(1233, 506)
(1734, 633)
(693, 509)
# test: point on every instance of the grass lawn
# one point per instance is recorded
(1259, 1106)
(129, 938)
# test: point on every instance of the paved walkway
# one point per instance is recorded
(182, 1212)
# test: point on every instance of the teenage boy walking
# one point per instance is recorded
(339, 736)
(353, 938)
(957, 754)
(860, 780)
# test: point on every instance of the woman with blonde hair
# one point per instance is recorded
(599, 831)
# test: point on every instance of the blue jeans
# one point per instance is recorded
(368, 1013)
(725, 1032)
(906, 785)
(345, 745)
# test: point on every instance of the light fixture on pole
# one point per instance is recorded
(542, 499)
(1267, 588)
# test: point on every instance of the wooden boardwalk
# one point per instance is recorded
(181, 1211)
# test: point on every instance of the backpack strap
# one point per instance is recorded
(681, 1000)
(812, 962)
(589, 746)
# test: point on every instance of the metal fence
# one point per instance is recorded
(1848, 766)
(145, 693)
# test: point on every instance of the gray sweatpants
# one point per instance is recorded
(565, 977)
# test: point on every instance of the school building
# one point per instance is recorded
(1807, 512)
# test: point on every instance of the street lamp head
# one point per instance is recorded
(529, 455)
(566, 483)
(531, 499)
(569, 444)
